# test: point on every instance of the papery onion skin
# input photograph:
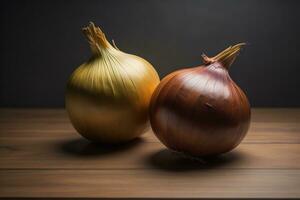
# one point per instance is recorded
(107, 98)
(200, 111)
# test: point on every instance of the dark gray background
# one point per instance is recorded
(42, 43)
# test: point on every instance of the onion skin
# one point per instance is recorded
(107, 98)
(200, 111)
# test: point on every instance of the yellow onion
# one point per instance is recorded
(107, 97)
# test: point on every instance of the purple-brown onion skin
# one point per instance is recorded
(200, 111)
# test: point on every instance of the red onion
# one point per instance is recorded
(200, 111)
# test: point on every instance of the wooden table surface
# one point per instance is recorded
(41, 155)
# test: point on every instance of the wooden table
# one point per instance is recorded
(41, 155)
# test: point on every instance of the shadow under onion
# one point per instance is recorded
(168, 160)
(83, 147)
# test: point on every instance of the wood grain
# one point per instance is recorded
(77, 153)
(151, 183)
(41, 155)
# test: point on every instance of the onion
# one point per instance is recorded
(200, 111)
(107, 98)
